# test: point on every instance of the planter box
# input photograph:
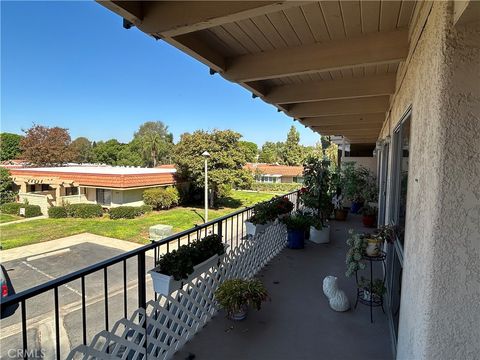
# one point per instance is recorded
(253, 230)
(166, 284)
(320, 236)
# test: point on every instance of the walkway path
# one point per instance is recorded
(53, 245)
(24, 220)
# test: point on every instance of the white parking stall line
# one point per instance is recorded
(50, 277)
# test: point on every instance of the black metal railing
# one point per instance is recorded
(230, 227)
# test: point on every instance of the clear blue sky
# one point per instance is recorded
(71, 64)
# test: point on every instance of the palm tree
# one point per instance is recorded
(151, 143)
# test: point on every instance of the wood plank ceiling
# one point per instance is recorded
(329, 64)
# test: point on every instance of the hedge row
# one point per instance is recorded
(57, 212)
(280, 187)
(84, 211)
(129, 212)
(161, 198)
(14, 209)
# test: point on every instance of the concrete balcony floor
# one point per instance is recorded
(298, 323)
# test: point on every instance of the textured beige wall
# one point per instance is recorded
(440, 306)
(133, 197)
(369, 162)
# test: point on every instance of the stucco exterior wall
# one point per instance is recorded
(369, 162)
(44, 201)
(440, 307)
(133, 197)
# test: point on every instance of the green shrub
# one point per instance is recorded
(32, 210)
(12, 208)
(124, 212)
(144, 209)
(161, 198)
(57, 212)
(278, 187)
(84, 210)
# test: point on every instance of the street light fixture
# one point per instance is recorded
(206, 155)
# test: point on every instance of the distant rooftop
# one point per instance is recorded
(108, 170)
(99, 176)
(274, 169)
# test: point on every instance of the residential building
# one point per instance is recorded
(275, 173)
(109, 186)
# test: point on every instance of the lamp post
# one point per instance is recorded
(206, 155)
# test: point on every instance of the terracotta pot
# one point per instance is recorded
(368, 221)
(341, 214)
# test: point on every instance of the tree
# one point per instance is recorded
(6, 186)
(225, 165)
(129, 155)
(10, 146)
(81, 150)
(45, 146)
(156, 142)
(293, 153)
(250, 150)
(107, 152)
(268, 154)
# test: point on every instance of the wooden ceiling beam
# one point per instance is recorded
(375, 48)
(339, 107)
(356, 119)
(332, 90)
(198, 49)
(129, 10)
(173, 18)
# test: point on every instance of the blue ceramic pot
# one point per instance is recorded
(295, 239)
(355, 207)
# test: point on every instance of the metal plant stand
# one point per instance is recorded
(375, 300)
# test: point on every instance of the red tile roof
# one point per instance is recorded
(273, 169)
(114, 180)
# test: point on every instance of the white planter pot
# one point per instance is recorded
(320, 236)
(166, 284)
(253, 230)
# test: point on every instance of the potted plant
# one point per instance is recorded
(175, 268)
(281, 206)
(236, 295)
(372, 291)
(387, 233)
(369, 215)
(316, 198)
(356, 249)
(296, 225)
(337, 201)
(319, 232)
(261, 219)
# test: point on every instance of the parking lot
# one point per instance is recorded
(37, 268)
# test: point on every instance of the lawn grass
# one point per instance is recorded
(135, 230)
(4, 218)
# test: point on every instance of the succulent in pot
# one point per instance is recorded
(236, 295)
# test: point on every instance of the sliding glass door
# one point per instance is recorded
(397, 194)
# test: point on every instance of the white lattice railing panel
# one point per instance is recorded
(170, 321)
